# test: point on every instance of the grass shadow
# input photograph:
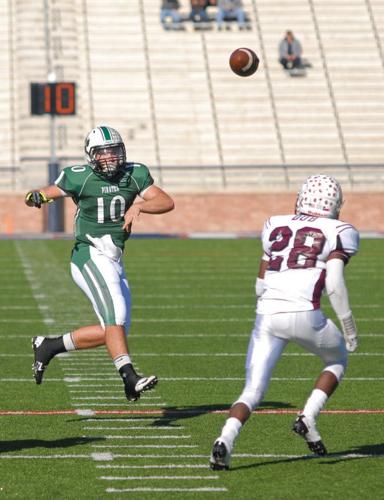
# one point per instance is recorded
(27, 444)
(356, 453)
(175, 413)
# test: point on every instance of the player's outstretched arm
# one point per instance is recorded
(155, 201)
(43, 195)
(338, 297)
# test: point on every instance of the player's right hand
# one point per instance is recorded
(33, 199)
(36, 199)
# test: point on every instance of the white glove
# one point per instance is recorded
(349, 331)
(259, 287)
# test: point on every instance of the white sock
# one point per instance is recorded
(120, 361)
(231, 430)
(315, 403)
(68, 342)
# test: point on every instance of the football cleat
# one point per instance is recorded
(133, 388)
(42, 356)
(220, 456)
(305, 427)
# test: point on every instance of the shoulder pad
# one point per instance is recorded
(348, 238)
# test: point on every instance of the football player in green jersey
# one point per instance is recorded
(104, 191)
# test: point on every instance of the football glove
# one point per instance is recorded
(350, 333)
(259, 287)
(36, 199)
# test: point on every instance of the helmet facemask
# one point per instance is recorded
(108, 160)
(320, 196)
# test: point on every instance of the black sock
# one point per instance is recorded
(127, 373)
(54, 346)
(49, 348)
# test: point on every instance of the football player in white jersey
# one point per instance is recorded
(303, 254)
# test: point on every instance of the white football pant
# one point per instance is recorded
(310, 329)
(104, 282)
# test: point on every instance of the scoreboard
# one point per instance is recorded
(58, 99)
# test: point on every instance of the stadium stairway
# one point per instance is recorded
(179, 107)
(29, 62)
(7, 139)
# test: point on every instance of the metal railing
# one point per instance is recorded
(247, 177)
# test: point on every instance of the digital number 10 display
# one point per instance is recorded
(53, 98)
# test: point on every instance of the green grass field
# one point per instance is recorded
(193, 311)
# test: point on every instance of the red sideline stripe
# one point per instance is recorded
(378, 411)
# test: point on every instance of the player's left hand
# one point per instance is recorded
(131, 215)
(349, 332)
(351, 342)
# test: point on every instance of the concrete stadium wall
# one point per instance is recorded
(216, 213)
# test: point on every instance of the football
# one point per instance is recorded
(243, 61)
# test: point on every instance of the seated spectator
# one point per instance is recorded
(199, 12)
(228, 10)
(170, 10)
(290, 52)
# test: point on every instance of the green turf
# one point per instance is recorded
(193, 310)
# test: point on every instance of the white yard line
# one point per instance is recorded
(61, 324)
(136, 428)
(160, 490)
(154, 466)
(104, 456)
(137, 478)
(84, 354)
(152, 436)
(23, 380)
(143, 446)
(94, 398)
(126, 420)
(185, 379)
(46, 457)
(219, 355)
(123, 403)
(111, 391)
(289, 379)
(112, 383)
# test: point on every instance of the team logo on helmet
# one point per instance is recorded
(105, 150)
(321, 196)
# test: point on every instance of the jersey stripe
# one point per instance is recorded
(105, 293)
(100, 292)
(99, 303)
(83, 186)
(343, 227)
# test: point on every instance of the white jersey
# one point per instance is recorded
(297, 247)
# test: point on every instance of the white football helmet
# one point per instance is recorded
(321, 196)
(105, 150)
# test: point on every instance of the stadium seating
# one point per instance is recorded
(177, 104)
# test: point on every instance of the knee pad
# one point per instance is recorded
(338, 369)
(251, 397)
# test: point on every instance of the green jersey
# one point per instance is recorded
(102, 202)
